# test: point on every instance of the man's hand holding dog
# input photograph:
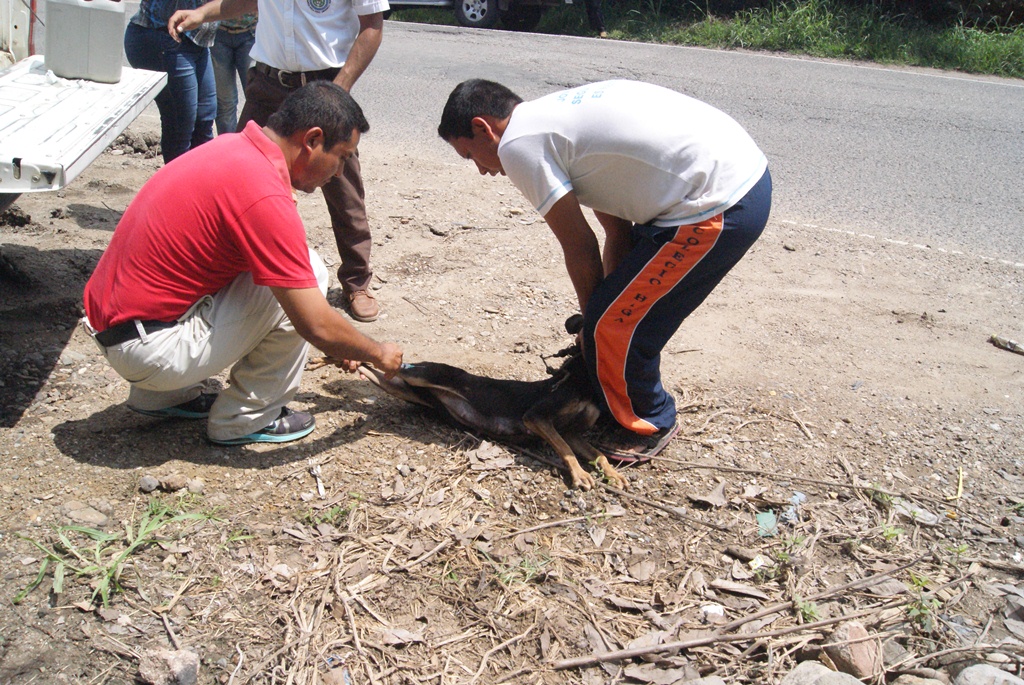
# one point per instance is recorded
(327, 330)
(389, 363)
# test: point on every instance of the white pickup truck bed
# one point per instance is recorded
(51, 129)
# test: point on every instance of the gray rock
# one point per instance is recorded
(984, 674)
(148, 484)
(856, 654)
(894, 653)
(173, 482)
(914, 513)
(80, 512)
(907, 679)
(195, 486)
(70, 357)
(710, 680)
(805, 673)
(166, 667)
(887, 587)
(654, 675)
(835, 678)
(926, 676)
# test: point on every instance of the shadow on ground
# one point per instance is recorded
(40, 305)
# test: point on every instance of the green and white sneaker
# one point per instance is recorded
(198, 408)
(289, 425)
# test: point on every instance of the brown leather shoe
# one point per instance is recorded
(362, 306)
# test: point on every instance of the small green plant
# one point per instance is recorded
(524, 572)
(789, 547)
(883, 499)
(334, 516)
(958, 551)
(924, 608)
(808, 611)
(891, 533)
(448, 574)
(922, 613)
(100, 556)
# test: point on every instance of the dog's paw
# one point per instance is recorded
(581, 480)
(616, 479)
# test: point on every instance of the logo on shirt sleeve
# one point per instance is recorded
(319, 6)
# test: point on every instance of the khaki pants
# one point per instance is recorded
(242, 327)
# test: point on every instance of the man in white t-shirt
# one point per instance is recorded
(298, 41)
(679, 187)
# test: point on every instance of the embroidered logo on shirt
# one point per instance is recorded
(319, 6)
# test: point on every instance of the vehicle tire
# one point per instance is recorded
(477, 14)
(7, 199)
(522, 17)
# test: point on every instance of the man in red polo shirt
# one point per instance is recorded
(209, 269)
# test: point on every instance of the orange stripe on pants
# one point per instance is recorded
(614, 331)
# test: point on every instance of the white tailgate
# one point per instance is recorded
(51, 128)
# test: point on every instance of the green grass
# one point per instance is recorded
(441, 16)
(100, 556)
(828, 29)
(819, 28)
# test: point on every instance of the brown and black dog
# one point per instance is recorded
(559, 410)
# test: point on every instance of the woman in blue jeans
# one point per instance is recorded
(188, 104)
(230, 54)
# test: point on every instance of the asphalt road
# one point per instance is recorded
(927, 157)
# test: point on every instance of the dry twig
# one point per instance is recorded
(621, 655)
(498, 648)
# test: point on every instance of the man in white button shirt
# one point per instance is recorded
(298, 41)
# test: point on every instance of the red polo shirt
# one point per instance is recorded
(219, 210)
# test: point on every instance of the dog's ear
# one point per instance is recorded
(574, 324)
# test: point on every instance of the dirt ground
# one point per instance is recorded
(841, 383)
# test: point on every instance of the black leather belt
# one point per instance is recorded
(123, 332)
(295, 79)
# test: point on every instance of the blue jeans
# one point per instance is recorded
(230, 53)
(188, 103)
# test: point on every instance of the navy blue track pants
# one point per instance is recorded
(637, 309)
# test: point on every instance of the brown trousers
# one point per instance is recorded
(346, 199)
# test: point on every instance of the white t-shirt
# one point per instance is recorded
(633, 150)
(309, 35)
